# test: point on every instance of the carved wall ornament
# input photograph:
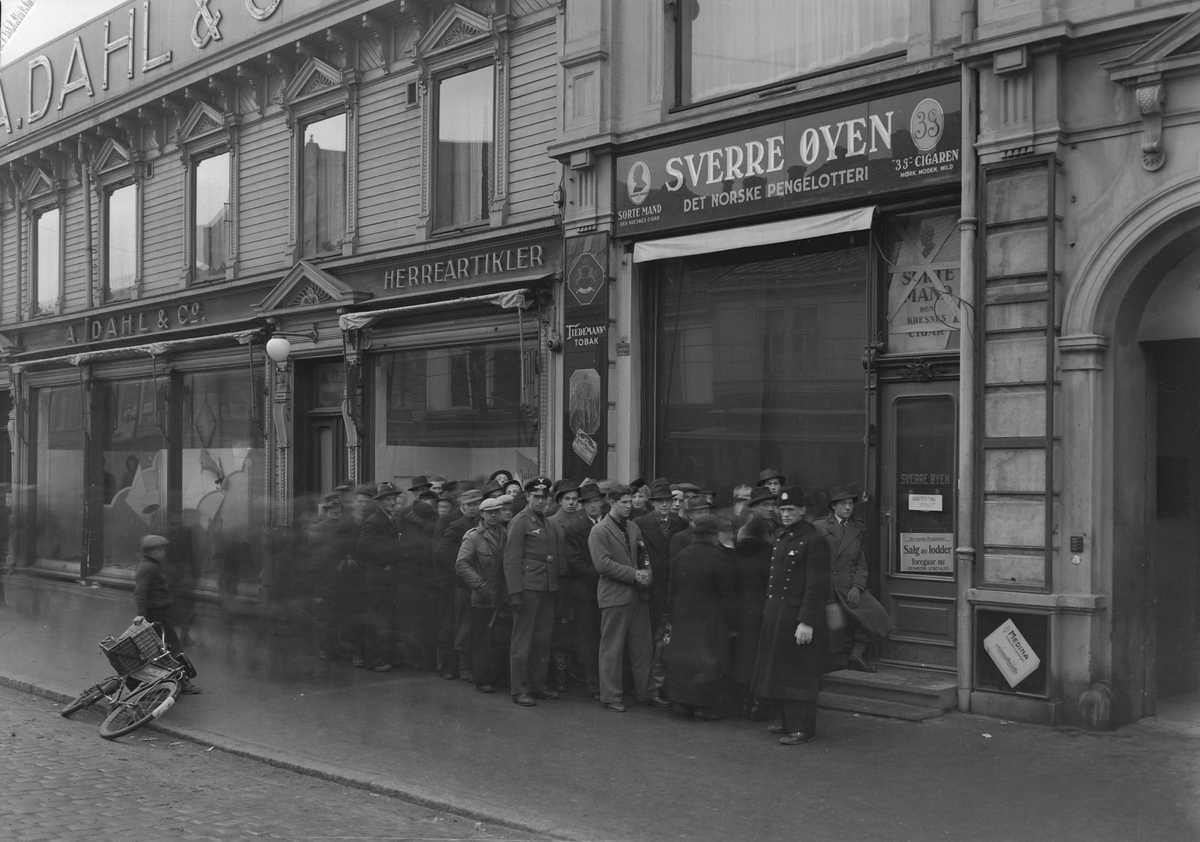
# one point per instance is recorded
(1151, 97)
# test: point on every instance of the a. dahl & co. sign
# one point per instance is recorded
(897, 142)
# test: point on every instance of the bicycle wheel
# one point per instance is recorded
(91, 695)
(138, 709)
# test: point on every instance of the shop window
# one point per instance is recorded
(727, 46)
(321, 103)
(1035, 629)
(922, 282)
(208, 140)
(460, 412)
(464, 148)
(211, 220)
(222, 483)
(47, 262)
(121, 239)
(323, 186)
(759, 365)
(58, 467)
(133, 445)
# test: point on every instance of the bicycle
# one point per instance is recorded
(148, 680)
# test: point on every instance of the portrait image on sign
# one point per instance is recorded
(637, 183)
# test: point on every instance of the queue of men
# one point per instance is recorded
(534, 586)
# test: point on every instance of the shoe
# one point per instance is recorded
(546, 694)
(616, 707)
(485, 688)
(358, 663)
(706, 716)
(524, 700)
(190, 688)
(796, 738)
(775, 728)
(382, 668)
(858, 659)
(449, 676)
(465, 675)
(657, 702)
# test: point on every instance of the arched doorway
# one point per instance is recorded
(1140, 468)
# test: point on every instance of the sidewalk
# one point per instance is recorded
(568, 768)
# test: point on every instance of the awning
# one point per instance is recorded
(154, 349)
(858, 219)
(509, 300)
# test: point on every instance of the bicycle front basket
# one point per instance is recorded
(136, 645)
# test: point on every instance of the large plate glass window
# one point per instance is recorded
(759, 364)
(323, 185)
(58, 470)
(461, 412)
(465, 131)
(210, 217)
(726, 46)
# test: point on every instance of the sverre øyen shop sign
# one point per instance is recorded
(899, 142)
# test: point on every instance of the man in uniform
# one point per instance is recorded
(531, 561)
(787, 669)
(847, 549)
(480, 565)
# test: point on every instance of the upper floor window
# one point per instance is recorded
(463, 153)
(210, 217)
(323, 186)
(47, 266)
(120, 240)
(726, 46)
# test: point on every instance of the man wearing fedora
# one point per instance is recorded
(531, 571)
(378, 551)
(868, 618)
(772, 480)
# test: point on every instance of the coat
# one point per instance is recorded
(531, 536)
(617, 556)
(658, 547)
(701, 606)
(445, 551)
(797, 590)
(752, 569)
(378, 550)
(848, 566)
(582, 587)
(480, 565)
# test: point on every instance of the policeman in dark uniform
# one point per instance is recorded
(531, 560)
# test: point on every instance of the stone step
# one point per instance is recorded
(876, 707)
(919, 688)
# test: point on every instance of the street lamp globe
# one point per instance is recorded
(278, 349)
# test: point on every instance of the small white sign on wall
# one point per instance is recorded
(1011, 652)
(924, 502)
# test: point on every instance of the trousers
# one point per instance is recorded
(625, 627)
(529, 651)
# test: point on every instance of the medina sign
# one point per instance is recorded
(898, 142)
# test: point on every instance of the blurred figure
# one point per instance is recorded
(700, 599)
(740, 503)
(349, 595)
(378, 551)
(417, 595)
(755, 542)
(564, 640)
(454, 633)
(152, 596)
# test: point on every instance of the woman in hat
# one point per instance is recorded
(699, 661)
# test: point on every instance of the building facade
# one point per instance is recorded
(936, 249)
(365, 181)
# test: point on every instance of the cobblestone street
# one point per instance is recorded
(60, 782)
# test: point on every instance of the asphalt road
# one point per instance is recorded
(60, 782)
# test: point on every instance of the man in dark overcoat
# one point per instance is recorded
(658, 528)
(378, 551)
(788, 667)
(846, 537)
(454, 632)
(571, 591)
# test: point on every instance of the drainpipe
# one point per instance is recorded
(86, 166)
(970, 322)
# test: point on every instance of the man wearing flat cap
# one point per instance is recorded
(847, 540)
(152, 596)
(531, 570)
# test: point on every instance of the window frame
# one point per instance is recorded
(205, 133)
(318, 91)
(435, 142)
(43, 193)
(115, 166)
(461, 41)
